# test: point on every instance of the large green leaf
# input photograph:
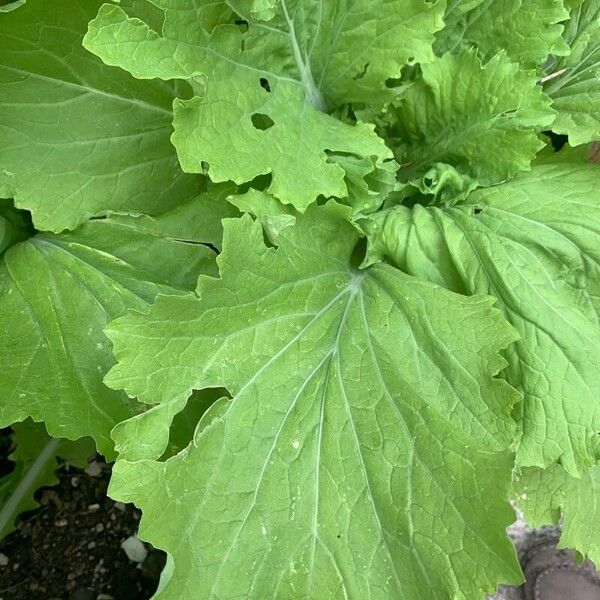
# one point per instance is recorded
(364, 431)
(57, 292)
(35, 465)
(546, 495)
(573, 82)
(527, 30)
(480, 119)
(262, 87)
(80, 138)
(534, 243)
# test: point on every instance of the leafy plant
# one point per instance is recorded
(345, 313)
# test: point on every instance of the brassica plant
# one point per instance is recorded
(322, 276)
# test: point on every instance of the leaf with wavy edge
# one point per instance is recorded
(534, 244)
(262, 88)
(365, 426)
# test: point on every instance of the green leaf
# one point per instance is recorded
(368, 183)
(482, 120)
(35, 465)
(310, 57)
(534, 244)
(573, 82)
(544, 495)
(365, 426)
(527, 30)
(80, 138)
(57, 292)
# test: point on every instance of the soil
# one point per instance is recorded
(70, 547)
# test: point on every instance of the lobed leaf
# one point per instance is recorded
(262, 88)
(481, 119)
(365, 426)
(57, 293)
(573, 82)
(547, 496)
(533, 243)
(527, 30)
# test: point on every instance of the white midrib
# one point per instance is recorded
(8, 510)
(311, 90)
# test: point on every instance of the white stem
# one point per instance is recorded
(310, 87)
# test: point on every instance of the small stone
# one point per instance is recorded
(93, 469)
(135, 549)
(60, 523)
(91, 545)
(93, 507)
(119, 506)
(3, 560)
(105, 597)
(99, 528)
(74, 481)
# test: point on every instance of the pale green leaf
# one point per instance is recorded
(544, 495)
(365, 426)
(57, 292)
(534, 243)
(80, 138)
(35, 465)
(368, 183)
(527, 30)
(573, 82)
(262, 91)
(482, 120)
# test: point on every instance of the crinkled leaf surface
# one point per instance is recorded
(57, 293)
(78, 137)
(575, 92)
(365, 426)
(262, 88)
(35, 464)
(527, 30)
(534, 243)
(544, 495)
(481, 120)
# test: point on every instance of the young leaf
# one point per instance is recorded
(544, 495)
(573, 82)
(57, 292)
(480, 119)
(534, 244)
(527, 30)
(79, 138)
(262, 88)
(35, 463)
(364, 430)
